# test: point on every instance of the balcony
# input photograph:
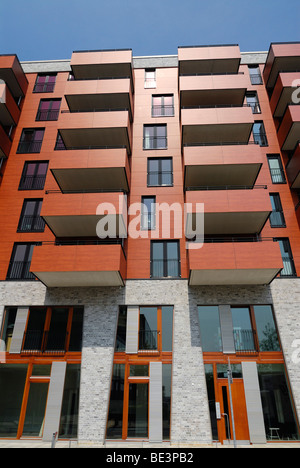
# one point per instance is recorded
(5, 143)
(12, 74)
(282, 57)
(103, 95)
(9, 111)
(282, 94)
(79, 265)
(225, 165)
(102, 64)
(289, 130)
(293, 169)
(228, 211)
(205, 60)
(216, 126)
(213, 90)
(77, 214)
(96, 130)
(91, 170)
(235, 263)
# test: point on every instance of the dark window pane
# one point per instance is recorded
(266, 328)
(115, 415)
(210, 329)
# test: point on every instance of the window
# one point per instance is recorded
(242, 329)
(155, 137)
(259, 134)
(163, 106)
(148, 213)
(287, 258)
(20, 262)
(210, 329)
(31, 140)
(266, 328)
(45, 83)
(252, 101)
(150, 78)
(165, 261)
(277, 216)
(59, 144)
(160, 172)
(255, 75)
(48, 109)
(30, 219)
(34, 175)
(276, 169)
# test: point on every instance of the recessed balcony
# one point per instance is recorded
(213, 90)
(282, 57)
(5, 143)
(217, 166)
(217, 126)
(79, 265)
(77, 215)
(204, 60)
(91, 170)
(96, 130)
(235, 263)
(289, 130)
(9, 111)
(228, 212)
(293, 169)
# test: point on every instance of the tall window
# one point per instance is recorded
(34, 175)
(160, 172)
(255, 75)
(20, 262)
(276, 169)
(287, 258)
(163, 106)
(48, 109)
(148, 213)
(252, 101)
(30, 219)
(277, 216)
(155, 137)
(45, 83)
(150, 78)
(31, 140)
(259, 134)
(165, 259)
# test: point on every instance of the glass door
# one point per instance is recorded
(138, 410)
(35, 410)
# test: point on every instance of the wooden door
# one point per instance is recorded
(225, 424)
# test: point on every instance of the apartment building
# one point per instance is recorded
(150, 246)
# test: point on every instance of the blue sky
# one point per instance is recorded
(52, 29)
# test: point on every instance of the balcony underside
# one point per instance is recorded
(209, 66)
(96, 138)
(79, 279)
(221, 175)
(90, 71)
(232, 277)
(282, 64)
(91, 179)
(292, 137)
(216, 133)
(213, 97)
(85, 225)
(91, 102)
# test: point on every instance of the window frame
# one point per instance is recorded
(32, 145)
(150, 216)
(35, 177)
(36, 218)
(280, 169)
(154, 139)
(49, 114)
(165, 259)
(46, 87)
(162, 106)
(160, 172)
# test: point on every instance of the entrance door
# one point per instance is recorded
(225, 426)
(138, 410)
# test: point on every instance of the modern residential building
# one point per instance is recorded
(150, 246)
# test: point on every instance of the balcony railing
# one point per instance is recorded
(19, 271)
(32, 182)
(44, 342)
(47, 115)
(162, 111)
(277, 176)
(155, 142)
(29, 146)
(31, 224)
(260, 139)
(245, 341)
(277, 219)
(288, 267)
(44, 88)
(148, 340)
(165, 268)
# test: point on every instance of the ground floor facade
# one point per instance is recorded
(149, 361)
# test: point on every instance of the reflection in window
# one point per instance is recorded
(115, 415)
(70, 405)
(279, 415)
(210, 329)
(242, 329)
(148, 333)
(266, 328)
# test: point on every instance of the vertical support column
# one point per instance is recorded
(19, 329)
(54, 402)
(226, 329)
(132, 330)
(155, 402)
(253, 402)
